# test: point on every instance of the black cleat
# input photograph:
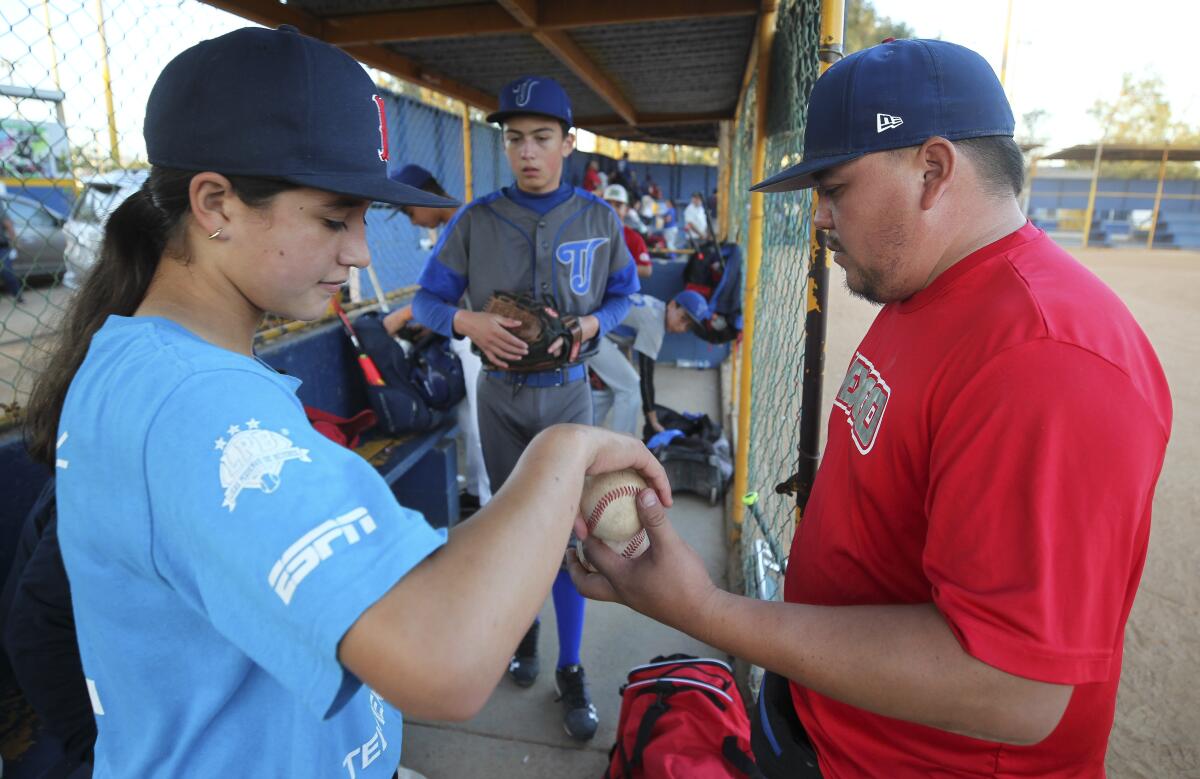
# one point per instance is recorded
(579, 714)
(523, 668)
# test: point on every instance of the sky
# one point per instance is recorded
(1066, 54)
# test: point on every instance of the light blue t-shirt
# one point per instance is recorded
(218, 549)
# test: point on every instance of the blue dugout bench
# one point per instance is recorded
(421, 468)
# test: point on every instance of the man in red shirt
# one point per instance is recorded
(957, 592)
(616, 197)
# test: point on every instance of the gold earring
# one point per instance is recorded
(214, 235)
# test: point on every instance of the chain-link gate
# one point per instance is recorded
(778, 349)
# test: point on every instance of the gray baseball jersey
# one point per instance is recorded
(644, 326)
(574, 253)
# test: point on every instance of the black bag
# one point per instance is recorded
(699, 461)
(696, 466)
(691, 425)
(401, 405)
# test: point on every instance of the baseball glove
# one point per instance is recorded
(540, 327)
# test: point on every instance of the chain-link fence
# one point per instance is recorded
(74, 80)
(778, 349)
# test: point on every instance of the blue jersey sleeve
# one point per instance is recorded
(280, 537)
(444, 277)
(622, 283)
(434, 313)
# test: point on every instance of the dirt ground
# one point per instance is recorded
(1157, 729)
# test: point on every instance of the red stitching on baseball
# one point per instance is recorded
(634, 544)
(625, 490)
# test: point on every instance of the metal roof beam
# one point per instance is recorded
(460, 21)
(655, 120)
(402, 67)
(272, 14)
(464, 21)
(568, 53)
(566, 14)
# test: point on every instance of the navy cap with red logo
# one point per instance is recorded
(276, 104)
(538, 95)
(897, 94)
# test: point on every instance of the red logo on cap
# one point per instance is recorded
(383, 142)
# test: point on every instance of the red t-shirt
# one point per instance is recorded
(637, 247)
(993, 449)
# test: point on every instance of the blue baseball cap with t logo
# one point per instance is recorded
(894, 95)
(540, 95)
(276, 104)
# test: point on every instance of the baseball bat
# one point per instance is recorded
(370, 371)
(379, 294)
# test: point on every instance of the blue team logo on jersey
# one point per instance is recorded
(579, 255)
(524, 91)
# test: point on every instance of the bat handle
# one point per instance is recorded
(370, 371)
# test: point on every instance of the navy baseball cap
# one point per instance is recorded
(891, 96)
(276, 104)
(539, 95)
(694, 303)
(412, 175)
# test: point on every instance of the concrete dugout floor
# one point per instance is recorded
(519, 733)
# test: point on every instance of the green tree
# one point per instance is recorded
(865, 27)
(1141, 114)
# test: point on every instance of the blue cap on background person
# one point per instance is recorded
(895, 95)
(539, 95)
(412, 175)
(694, 304)
(276, 104)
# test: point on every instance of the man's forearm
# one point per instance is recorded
(900, 661)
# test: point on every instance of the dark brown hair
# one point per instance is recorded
(135, 238)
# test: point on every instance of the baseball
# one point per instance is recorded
(609, 508)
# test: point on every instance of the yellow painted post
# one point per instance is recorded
(1028, 199)
(1004, 58)
(58, 106)
(468, 184)
(108, 96)
(816, 318)
(754, 251)
(1091, 206)
(1162, 174)
(724, 176)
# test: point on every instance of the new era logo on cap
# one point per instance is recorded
(887, 122)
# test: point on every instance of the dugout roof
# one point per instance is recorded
(650, 70)
(1127, 152)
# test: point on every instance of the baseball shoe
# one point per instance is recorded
(523, 668)
(579, 714)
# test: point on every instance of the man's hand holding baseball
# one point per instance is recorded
(669, 583)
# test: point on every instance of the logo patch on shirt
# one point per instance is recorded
(863, 396)
(253, 458)
(303, 557)
(580, 255)
(524, 91)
